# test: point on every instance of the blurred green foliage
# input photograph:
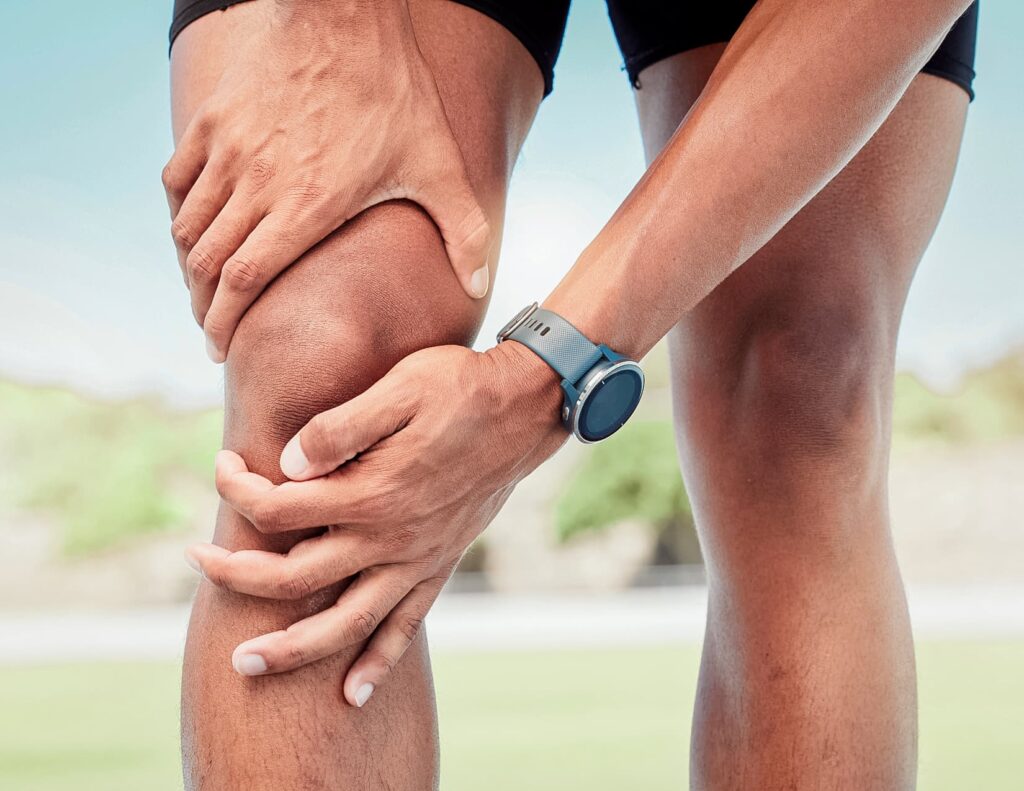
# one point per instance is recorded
(634, 474)
(988, 405)
(103, 471)
(108, 471)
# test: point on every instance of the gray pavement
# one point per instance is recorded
(485, 622)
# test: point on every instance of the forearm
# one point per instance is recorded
(799, 90)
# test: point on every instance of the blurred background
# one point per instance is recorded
(109, 419)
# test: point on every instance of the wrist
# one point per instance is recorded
(530, 383)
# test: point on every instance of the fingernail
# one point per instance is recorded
(478, 282)
(214, 353)
(293, 460)
(249, 664)
(363, 694)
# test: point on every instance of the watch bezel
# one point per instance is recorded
(594, 377)
(517, 321)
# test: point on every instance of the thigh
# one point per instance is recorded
(490, 85)
(846, 260)
(374, 291)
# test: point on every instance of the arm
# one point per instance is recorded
(799, 90)
(758, 145)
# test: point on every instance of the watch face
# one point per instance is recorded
(610, 402)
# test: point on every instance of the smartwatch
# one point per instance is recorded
(602, 388)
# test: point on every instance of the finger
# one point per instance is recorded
(390, 642)
(309, 566)
(291, 506)
(449, 199)
(203, 203)
(334, 437)
(185, 165)
(271, 247)
(352, 620)
(239, 488)
(206, 262)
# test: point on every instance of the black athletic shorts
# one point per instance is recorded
(647, 31)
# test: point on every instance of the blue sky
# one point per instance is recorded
(90, 293)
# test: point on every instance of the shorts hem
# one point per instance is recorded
(635, 64)
(949, 68)
(192, 12)
(501, 14)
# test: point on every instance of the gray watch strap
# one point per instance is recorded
(558, 343)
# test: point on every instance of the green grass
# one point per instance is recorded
(592, 720)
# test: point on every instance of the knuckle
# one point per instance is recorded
(201, 266)
(384, 661)
(266, 517)
(184, 237)
(171, 180)
(215, 329)
(410, 627)
(241, 274)
(262, 169)
(217, 575)
(229, 150)
(205, 122)
(295, 654)
(292, 584)
(295, 581)
(362, 625)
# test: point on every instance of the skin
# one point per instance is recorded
(328, 108)
(324, 330)
(783, 388)
(782, 380)
(668, 246)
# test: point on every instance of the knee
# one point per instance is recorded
(814, 385)
(336, 321)
(810, 386)
(793, 434)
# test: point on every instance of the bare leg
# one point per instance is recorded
(783, 380)
(376, 290)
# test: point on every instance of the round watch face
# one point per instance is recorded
(607, 404)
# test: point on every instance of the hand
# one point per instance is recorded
(405, 475)
(328, 109)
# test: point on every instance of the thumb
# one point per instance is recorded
(449, 199)
(334, 437)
